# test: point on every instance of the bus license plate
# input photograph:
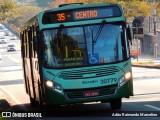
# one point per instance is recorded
(91, 93)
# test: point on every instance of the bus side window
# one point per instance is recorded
(22, 40)
(32, 38)
(25, 43)
(35, 34)
(30, 41)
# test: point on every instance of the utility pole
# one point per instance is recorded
(137, 42)
(155, 41)
(154, 21)
(149, 24)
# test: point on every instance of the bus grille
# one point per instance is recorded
(79, 74)
(107, 90)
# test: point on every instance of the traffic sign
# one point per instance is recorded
(136, 23)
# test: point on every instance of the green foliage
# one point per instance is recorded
(8, 10)
(26, 12)
(132, 8)
(158, 9)
(136, 8)
(44, 3)
(156, 5)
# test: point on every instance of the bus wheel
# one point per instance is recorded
(116, 104)
(51, 109)
(40, 95)
(33, 102)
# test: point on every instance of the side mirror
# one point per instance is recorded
(130, 33)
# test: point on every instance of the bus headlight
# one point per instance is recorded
(54, 86)
(123, 79)
(128, 75)
(49, 84)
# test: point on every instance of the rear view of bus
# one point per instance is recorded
(84, 54)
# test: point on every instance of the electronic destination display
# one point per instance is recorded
(81, 14)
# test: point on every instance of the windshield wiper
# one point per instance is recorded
(116, 49)
(94, 40)
(98, 32)
(60, 29)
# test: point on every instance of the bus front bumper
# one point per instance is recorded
(55, 98)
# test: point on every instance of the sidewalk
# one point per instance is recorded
(146, 61)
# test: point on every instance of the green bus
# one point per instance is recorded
(77, 53)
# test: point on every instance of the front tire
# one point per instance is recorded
(33, 102)
(40, 95)
(116, 104)
(51, 109)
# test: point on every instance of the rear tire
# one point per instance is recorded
(116, 104)
(40, 102)
(51, 109)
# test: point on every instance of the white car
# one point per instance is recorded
(13, 37)
(3, 40)
(1, 27)
(7, 37)
(11, 47)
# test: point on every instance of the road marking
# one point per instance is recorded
(153, 107)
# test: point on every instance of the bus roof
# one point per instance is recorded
(75, 6)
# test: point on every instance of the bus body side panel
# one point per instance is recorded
(36, 66)
(36, 77)
(28, 77)
(24, 77)
(23, 64)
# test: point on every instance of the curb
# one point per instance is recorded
(152, 67)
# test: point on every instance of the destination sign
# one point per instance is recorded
(88, 14)
(81, 14)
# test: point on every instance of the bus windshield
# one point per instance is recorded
(84, 45)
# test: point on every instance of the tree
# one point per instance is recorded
(156, 6)
(56, 3)
(158, 9)
(8, 10)
(26, 13)
(44, 3)
(132, 8)
(136, 8)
